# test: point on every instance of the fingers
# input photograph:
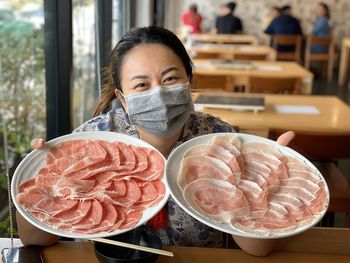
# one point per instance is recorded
(285, 138)
(38, 143)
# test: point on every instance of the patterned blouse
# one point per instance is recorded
(182, 229)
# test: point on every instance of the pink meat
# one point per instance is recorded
(195, 167)
(109, 163)
(40, 199)
(281, 192)
(218, 152)
(269, 160)
(132, 217)
(217, 199)
(109, 218)
(94, 186)
(71, 216)
(231, 145)
(77, 154)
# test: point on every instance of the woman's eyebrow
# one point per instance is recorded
(168, 70)
(139, 77)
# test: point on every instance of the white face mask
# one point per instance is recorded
(163, 111)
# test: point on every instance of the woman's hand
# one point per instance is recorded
(285, 138)
(38, 143)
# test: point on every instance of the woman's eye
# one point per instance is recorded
(141, 85)
(170, 79)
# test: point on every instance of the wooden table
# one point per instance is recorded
(225, 38)
(316, 245)
(344, 62)
(272, 69)
(333, 117)
(230, 51)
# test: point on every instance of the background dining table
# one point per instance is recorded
(302, 113)
(240, 76)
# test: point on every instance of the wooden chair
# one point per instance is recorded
(273, 85)
(327, 56)
(288, 40)
(324, 151)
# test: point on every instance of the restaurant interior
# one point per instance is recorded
(264, 67)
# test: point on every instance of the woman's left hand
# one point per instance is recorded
(285, 138)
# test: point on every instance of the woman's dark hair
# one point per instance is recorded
(326, 9)
(231, 6)
(134, 38)
(193, 8)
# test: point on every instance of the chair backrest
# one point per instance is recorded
(288, 40)
(273, 85)
(319, 41)
(204, 55)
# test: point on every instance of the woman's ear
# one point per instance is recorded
(121, 99)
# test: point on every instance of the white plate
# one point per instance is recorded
(173, 170)
(34, 161)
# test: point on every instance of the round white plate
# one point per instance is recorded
(173, 170)
(34, 161)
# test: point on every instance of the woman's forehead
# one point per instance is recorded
(149, 57)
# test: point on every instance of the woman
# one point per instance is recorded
(321, 27)
(149, 73)
(193, 19)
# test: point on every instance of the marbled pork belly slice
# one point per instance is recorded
(217, 200)
(109, 163)
(305, 175)
(314, 204)
(256, 197)
(301, 182)
(91, 219)
(295, 163)
(218, 152)
(74, 155)
(268, 159)
(264, 147)
(195, 167)
(66, 187)
(262, 169)
(109, 220)
(40, 199)
(256, 177)
(277, 218)
(231, 144)
(293, 204)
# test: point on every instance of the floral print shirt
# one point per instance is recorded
(182, 229)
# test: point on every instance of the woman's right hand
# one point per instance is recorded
(38, 143)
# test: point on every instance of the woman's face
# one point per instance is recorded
(148, 66)
(320, 11)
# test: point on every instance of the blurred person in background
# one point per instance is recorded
(321, 27)
(227, 22)
(274, 12)
(192, 19)
(285, 24)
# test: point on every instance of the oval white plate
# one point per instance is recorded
(173, 170)
(35, 160)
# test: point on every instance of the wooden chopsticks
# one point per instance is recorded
(133, 246)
